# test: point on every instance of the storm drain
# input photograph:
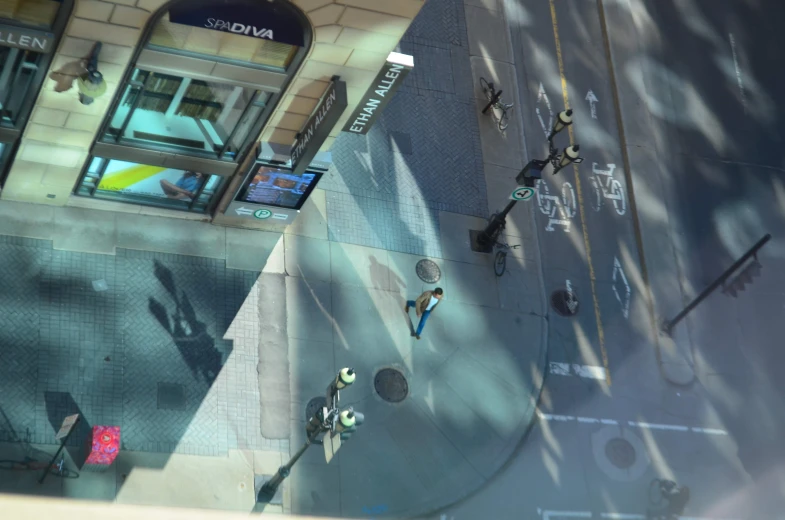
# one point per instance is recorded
(620, 452)
(391, 385)
(564, 303)
(428, 271)
(171, 396)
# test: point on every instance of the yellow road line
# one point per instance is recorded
(592, 278)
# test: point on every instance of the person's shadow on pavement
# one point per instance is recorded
(380, 274)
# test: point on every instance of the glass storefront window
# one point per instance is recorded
(226, 45)
(201, 117)
(34, 13)
(149, 185)
(17, 73)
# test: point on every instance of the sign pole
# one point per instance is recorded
(59, 450)
(667, 326)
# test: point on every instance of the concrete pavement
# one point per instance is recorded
(472, 379)
(205, 344)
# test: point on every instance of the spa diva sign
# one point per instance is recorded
(273, 21)
(379, 94)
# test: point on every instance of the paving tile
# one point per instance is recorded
(359, 265)
(249, 250)
(422, 156)
(98, 334)
(472, 284)
(309, 309)
(307, 258)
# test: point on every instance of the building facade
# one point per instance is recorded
(187, 108)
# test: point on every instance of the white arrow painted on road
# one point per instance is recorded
(585, 371)
(617, 270)
(542, 96)
(243, 211)
(592, 99)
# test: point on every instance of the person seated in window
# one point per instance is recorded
(185, 188)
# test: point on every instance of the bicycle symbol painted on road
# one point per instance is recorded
(606, 187)
(550, 205)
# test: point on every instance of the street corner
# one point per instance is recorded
(674, 360)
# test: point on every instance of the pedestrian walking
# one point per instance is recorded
(423, 306)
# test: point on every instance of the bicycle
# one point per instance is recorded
(57, 469)
(500, 260)
(677, 497)
(495, 101)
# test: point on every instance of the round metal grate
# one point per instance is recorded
(391, 385)
(313, 406)
(564, 303)
(620, 452)
(428, 271)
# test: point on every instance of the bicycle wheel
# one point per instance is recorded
(66, 473)
(500, 262)
(504, 120)
(487, 88)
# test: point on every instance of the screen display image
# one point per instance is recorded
(152, 181)
(277, 187)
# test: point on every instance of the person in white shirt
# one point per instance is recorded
(424, 306)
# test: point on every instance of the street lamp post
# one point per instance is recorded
(323, 420)
(483, 241)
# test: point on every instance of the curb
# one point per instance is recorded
(673, 365)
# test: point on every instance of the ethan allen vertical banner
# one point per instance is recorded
(319, 125)
(383, 88)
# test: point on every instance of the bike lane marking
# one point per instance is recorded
(581, 209)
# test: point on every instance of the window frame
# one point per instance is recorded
(11, 134)
(262, 118)
(152, 201)
(118, 138)
(39, 78)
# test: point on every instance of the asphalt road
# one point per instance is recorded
(711, 80)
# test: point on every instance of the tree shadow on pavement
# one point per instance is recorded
(189, 334)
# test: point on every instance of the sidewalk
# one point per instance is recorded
(471, 378)
(166, 327)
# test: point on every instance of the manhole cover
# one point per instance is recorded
(313, 406)
(564, 303)
(428, 271)
(620, 452)
(391, 385)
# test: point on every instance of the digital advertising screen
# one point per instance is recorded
(274, 186)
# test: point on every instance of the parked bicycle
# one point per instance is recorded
(662, 491)
(500, 260)
(495, 101)
(57, 469)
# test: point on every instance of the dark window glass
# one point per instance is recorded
(17, 72)
(198, 117)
